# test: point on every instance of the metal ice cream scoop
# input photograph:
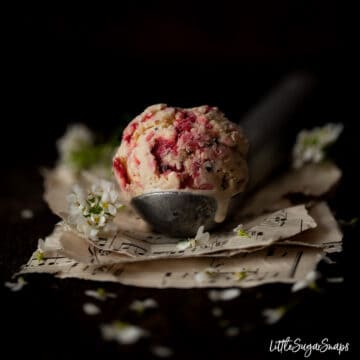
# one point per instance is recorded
(271, 134)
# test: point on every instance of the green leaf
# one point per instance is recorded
(96, 209)
(101, 292)
(242, 232)
(39, 255)
(240, 275)
(91, 155)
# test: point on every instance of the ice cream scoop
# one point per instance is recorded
(172, 191)
(194, 150)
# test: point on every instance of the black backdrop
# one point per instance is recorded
(84, 66)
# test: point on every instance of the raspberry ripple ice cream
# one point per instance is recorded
(195, 150)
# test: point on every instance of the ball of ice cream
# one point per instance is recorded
(196, 149)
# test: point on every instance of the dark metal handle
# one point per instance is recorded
(270, 129)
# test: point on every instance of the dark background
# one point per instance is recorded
(85, 66)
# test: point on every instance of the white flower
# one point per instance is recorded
(75, 137)
(141, 305)
(224, 295)
(42, 247)
(273, 315)
(206, 275)
(16, 286)
(49, 246)
(93, 212)
(309, 281)
(77, 198)
(26, 214)
(185, 244)
(201, 238)
(122, 332)
(100, 294)
(232, 331)
(310, 145)
(161, 351)
(216, 311)
(240, 231)
(91, 309)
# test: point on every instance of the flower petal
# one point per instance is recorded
(91, 309)
(224, 295)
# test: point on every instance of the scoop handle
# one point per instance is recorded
(271, 127)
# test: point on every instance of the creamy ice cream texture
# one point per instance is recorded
(196, 150)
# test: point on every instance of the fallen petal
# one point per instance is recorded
(91, 309)
(223, 295)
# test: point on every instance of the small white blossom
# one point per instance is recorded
(91, 309)
(206, 275)
(42, 246)
(240, 231)
(49, 247)
(201, 238)
(100, 294)
(26, 214)
(310, 145)
(309, 281)
(122, 332)
(224, 295)
(141, 305)
(75, 137)
(16, 286)
(185, 244)
(161, 351)
(273, 315)
(232, 331)
(93, 212)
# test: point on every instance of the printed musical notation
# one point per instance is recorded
(279, 264)
(144, 246)
(278, 219)
(234, 260)
(236, 271)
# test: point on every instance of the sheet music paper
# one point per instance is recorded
(327, 235)
(278, 263)
(311, 180)
(263, 232)
(282, 264)
(283, 245)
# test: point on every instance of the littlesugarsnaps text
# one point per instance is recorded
(297, 345)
